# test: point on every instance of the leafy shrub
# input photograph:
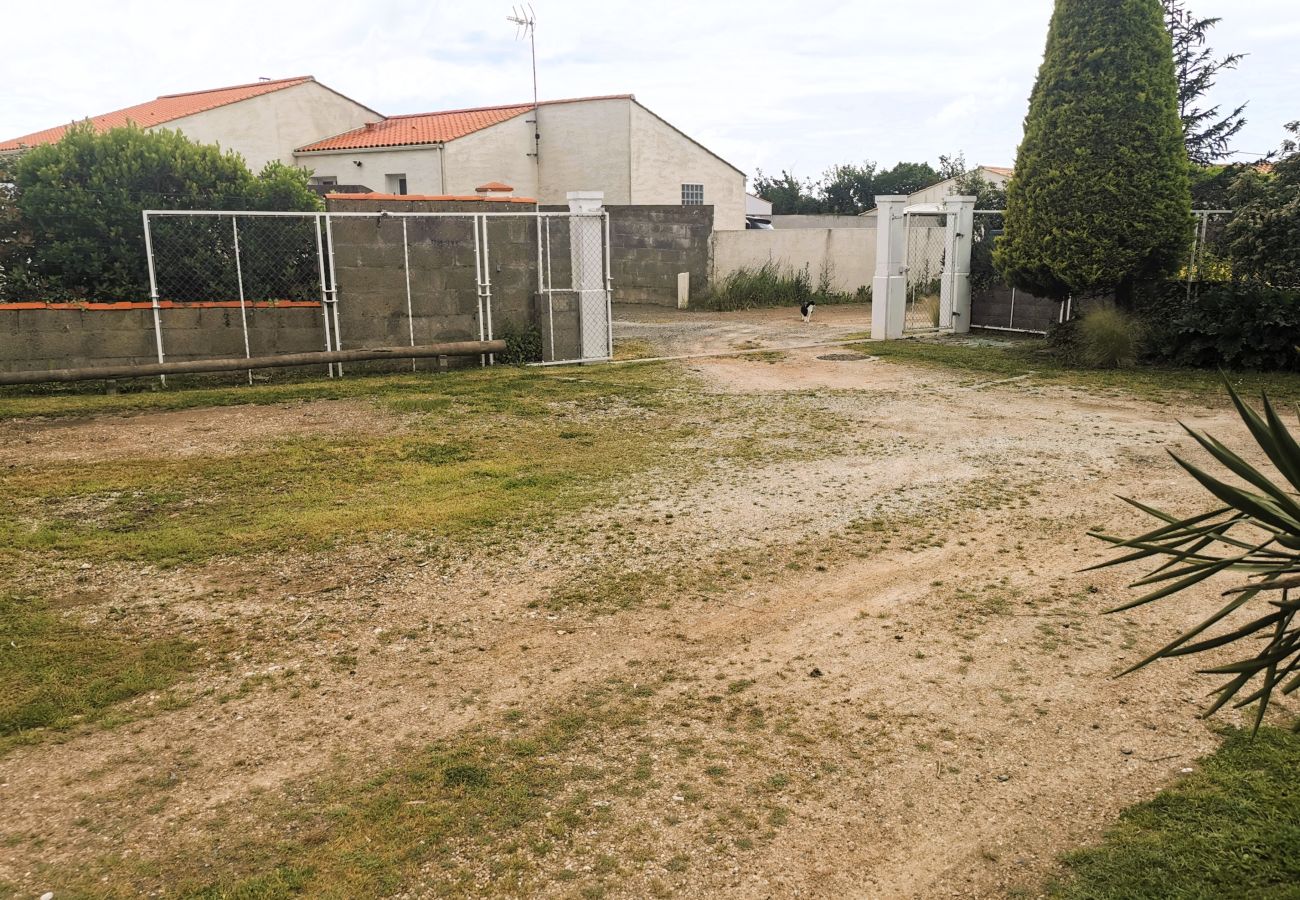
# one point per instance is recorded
(1108, 338)
(79, 201)
(1100, 200)
(1264, 234)
(1236, 326)
(523, 344)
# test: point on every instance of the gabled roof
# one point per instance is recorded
(166, 108)
(434, 127)
(999, 170)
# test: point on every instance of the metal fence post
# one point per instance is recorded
(550, 289)
(478, 285)
(324, 296)
(609, 287)
(239, 276)
(334, 288)
(153, 292)
(487, 285)
(406, 268)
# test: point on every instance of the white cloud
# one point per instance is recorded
(771, 83)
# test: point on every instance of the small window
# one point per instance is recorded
(396, 184)
(325, 180)
(692, 195)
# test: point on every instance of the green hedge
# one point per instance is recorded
(1235, 326)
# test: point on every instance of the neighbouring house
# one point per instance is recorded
(262, 121)
(611, 144)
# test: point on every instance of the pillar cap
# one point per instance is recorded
(890, 198)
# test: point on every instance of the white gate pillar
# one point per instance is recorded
(954, 296)
(590, 273)
(889, 286)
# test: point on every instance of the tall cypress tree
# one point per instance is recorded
(1100, 199)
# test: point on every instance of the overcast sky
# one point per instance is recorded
(766, 84)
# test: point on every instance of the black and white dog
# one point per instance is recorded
(806, 310)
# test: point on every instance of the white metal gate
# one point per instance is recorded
(384, 278)
(924, 268)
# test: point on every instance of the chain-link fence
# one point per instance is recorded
(925, 261)
(1209, 259)
(378, 279)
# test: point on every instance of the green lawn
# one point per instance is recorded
(58, 673)
(1012, 358)
(1230, 830)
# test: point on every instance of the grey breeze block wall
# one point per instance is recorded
(370, 264)
(73, 337)
(650, 245)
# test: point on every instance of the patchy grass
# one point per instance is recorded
(1230, 830)
(487, 449)
(535, 800)
(58, 673)
(1009, 358)
(88, 398)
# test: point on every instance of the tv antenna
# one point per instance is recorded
(525, 21)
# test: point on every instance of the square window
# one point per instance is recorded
(396, 184)
(692, 195)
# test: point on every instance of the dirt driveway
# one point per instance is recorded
(670, 332)
(833, 642)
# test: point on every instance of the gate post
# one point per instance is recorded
(889, 286)
(587, 253)
(954, 296)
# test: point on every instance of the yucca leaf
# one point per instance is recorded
(1255, 505)
(1273, 438)
(1182, 585)
(1246, 472)
(1226, 693)
(1186, 636)
(1211, 643)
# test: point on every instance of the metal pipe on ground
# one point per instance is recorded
(426, 351)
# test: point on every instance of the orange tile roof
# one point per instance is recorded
(434, 127)
(471, 198)
(166, 108)
(493, 187)
(1000, 170)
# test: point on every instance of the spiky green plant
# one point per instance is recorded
(1256, 531)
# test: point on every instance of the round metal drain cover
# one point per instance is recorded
(845, 357)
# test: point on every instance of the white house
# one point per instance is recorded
(262, 121)
(611, 144)
(998, 176)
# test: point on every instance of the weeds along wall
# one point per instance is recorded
(849, 253)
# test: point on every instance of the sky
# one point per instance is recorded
(768, 85)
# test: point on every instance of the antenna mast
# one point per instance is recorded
(525, 21)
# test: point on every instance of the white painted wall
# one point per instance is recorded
(585, 147)
(421, 165)
(828, 221)
(851, 252)
(271, 126)
(663, 159)
(497, 153)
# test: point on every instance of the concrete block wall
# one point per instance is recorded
(74, 337)
(370, 263)
(650, 245)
